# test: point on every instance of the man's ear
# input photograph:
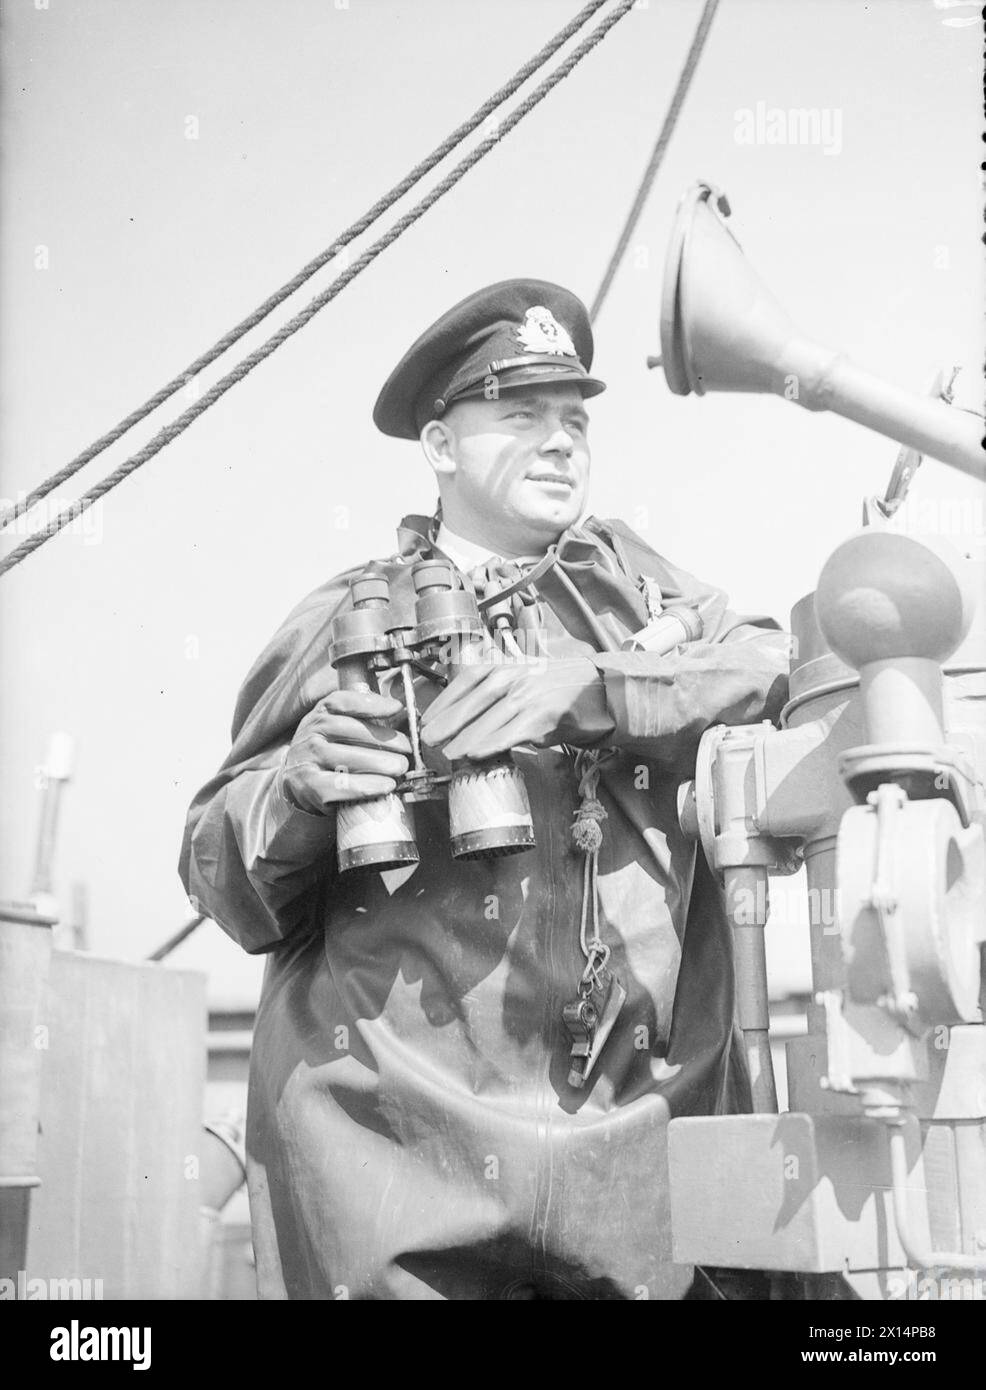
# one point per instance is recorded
(438, 443)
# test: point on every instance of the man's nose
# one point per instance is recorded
(559, 441)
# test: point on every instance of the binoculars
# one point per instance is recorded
(489, 811)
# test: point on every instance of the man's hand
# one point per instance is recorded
(488, 709)
(340, 752)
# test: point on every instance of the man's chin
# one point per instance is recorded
(553, 512)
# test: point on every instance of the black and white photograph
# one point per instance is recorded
(493, 643)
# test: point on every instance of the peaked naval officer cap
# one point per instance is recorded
(521, 332)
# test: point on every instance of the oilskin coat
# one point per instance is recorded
(411, 1130)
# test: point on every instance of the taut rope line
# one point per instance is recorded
(381, 206)
(287, 330)
(657, 154)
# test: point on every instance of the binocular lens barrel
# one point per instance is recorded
(377, 834)
(489, 813)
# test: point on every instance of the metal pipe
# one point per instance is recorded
(917, 1257)
(224, 1169)
(903, 701)
(944, 432)
(57, 771)
(722, 330)
(177, 937)
(746, 893)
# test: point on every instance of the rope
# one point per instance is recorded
(586, 829)
(588, 836)
(253, 359)
(381, 206)
(594, 949)
(657, 154)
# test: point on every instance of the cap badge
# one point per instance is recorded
(541, 332)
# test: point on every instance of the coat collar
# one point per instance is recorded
(588, 543)
(593, 557)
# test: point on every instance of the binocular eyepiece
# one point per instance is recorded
(489, 811)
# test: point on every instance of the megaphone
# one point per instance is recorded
(722, 330)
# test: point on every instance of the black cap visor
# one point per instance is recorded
(530, 374)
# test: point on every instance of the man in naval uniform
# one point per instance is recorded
(415, 1128)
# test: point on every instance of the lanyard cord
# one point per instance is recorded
(587, 832)
(588, 836)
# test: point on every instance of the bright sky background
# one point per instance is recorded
(134, 634)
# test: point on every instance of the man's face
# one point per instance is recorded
(520, 464)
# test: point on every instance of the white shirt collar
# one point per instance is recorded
(467, 555)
